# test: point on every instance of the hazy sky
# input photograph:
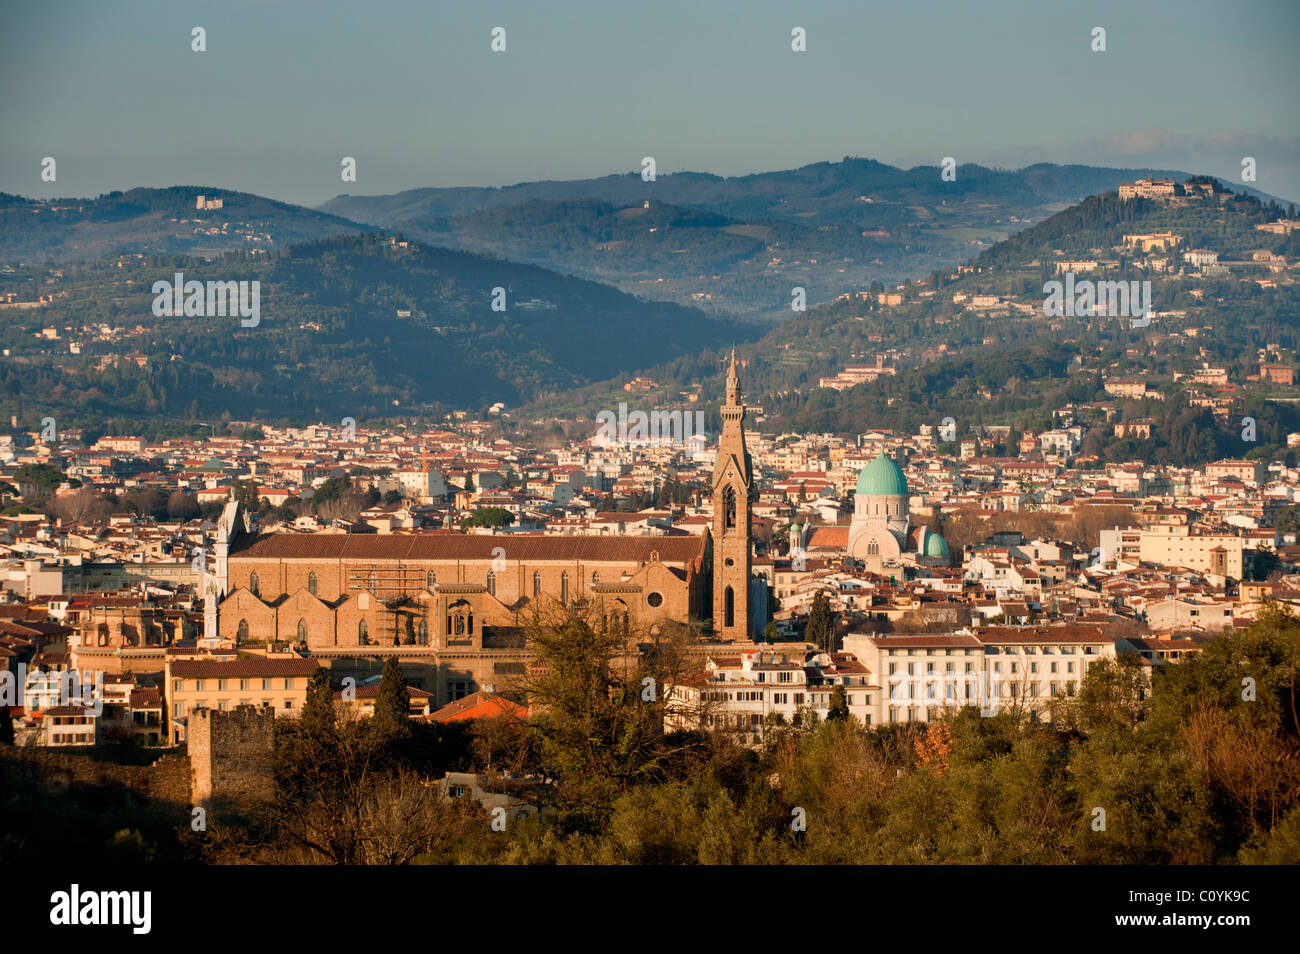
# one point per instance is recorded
(412, 90)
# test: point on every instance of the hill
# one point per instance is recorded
(975, 344)
(350, 326)
(738, 245)
(156, 221)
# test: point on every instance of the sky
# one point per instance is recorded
(412, 90)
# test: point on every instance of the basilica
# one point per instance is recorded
(450, 606)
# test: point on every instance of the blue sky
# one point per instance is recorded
(411, 89)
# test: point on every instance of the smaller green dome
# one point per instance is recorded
(794, 528)
(881, 478)
(935, 545)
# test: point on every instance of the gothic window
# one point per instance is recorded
(241, 632)
(363, 633)
(302, 630)
(729, 508)
(431, 579)
(729, 608)
(595, 577)
(312, 583)
(422, 632)
(254, 584)
(873, 548)
(537, 584)
(492, 583)
(564, 587)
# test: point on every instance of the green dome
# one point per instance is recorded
(794, 527)
(935, 545)
(880, 478)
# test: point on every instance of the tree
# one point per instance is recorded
(318, 711)
(603, 707)
(147, 503)
(1288, 519)
(182, 506)
(392, 718)
(1111, 697)
(81, 505)
(820, 630)
(839, 707)
(43, 477)
(494, 517)
(937, 521)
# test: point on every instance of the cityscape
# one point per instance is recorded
(873, 511)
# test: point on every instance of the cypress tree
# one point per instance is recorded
(820, 631)
(393, 704)
(318, 711)
(839, 707)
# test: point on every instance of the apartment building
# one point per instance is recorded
(1216, 554)
(1212, 614)
(1247, 471)
(223, 685)
(739, 693)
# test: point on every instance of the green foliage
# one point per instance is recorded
(43, 477)
(392, 718)
(600, 725)
(495, 517)
(838, 710)
(820, 630)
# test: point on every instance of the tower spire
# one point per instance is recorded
(733, 480)
(733, 381)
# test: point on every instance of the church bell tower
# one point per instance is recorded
(733, 490)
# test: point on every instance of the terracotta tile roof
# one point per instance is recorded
(251, 666)
(146, 699)
(1044, 634)
(940, 641)
(479, 705)
(71, 710)
(443, 546)
(831, 537)
(371, 691)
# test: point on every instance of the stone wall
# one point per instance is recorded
(166, 780)
(230, 755)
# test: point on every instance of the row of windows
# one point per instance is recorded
(997, 667)
(431, 580)
(178, 708)
(178, 685)
(994, 651)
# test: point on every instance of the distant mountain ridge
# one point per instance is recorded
(156, 221)
(946, 356)
(357, 325)
(828, 227)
